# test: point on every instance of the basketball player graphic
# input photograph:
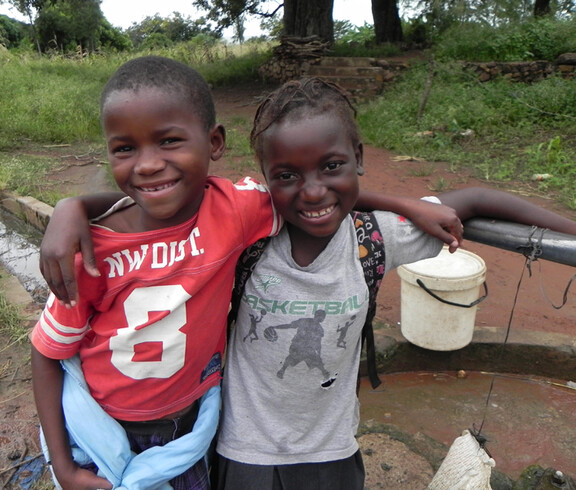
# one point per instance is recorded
(306, 345)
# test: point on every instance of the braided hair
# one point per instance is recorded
(308, 96)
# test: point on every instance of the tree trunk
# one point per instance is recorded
(387, 24)
(541, 8)
(35, 34)
(304, 18)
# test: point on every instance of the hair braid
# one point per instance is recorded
(310, 96)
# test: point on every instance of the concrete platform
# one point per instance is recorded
(526, 352)
(428, 398)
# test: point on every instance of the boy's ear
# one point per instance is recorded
(218, 141)
(359, 152)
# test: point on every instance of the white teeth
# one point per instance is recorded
(159, 188)
(318, 214)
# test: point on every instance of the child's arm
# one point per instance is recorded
(68, 232)
(479, 202)
(47, 384)
(435, 219)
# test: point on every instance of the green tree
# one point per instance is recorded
(301, 18)
(173, 29)
(442, 14)
(29, 9)
(542, 8)
(272, 26)
(66, 24)
(156, 40)
(11, 32)
(87, 19)
(304, 19)
(112, 38)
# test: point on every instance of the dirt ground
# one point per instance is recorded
(385, 172)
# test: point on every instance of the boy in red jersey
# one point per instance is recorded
(148, 331)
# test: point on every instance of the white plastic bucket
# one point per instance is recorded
(427, 321)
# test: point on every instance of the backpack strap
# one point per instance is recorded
(373, 260)
(244, 268)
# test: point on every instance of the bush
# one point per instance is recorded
(11, 32)
(502, 130)
(542, 39)
(156, 40)
(347, 33)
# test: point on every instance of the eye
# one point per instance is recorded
(286, 176)
(171, 140)
(333, 166)
(121, 149)
(283, 176)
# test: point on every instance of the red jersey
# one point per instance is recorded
(151, 330)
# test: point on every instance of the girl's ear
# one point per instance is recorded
(218, 141)
(359, 152)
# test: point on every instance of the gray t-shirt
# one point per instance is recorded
(289, 389)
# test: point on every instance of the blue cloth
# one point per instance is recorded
(97, 437)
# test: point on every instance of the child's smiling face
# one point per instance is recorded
(311, 167)
(159, 153)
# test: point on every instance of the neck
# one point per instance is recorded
(305, 248)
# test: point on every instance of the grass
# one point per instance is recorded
(54, 101)
(50, 101)
(534, 39)
(12, 324)
(238, 149)
(423, 171)
(26, 176)
(501, 130)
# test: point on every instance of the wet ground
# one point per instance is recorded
(527, 420)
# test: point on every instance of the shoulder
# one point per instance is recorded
(117, 207)
(214, 183)
(246, 201)
(246, 192)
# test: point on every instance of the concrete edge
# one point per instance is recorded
(545, 354)
(37, 214)
(16, 295)
(28, 209)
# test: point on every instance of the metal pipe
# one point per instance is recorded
(550, 245)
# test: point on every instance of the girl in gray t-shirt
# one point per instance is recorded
(290, 411)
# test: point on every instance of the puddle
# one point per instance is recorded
(528, 420)
(19, 252)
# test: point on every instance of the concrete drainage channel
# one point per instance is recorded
(22, 221)
(398, 436)
(19, 250)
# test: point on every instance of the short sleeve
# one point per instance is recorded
(256, 210)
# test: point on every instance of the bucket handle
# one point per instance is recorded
(442, 300)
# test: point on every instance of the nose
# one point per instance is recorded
(149, 162)
(313, 190)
